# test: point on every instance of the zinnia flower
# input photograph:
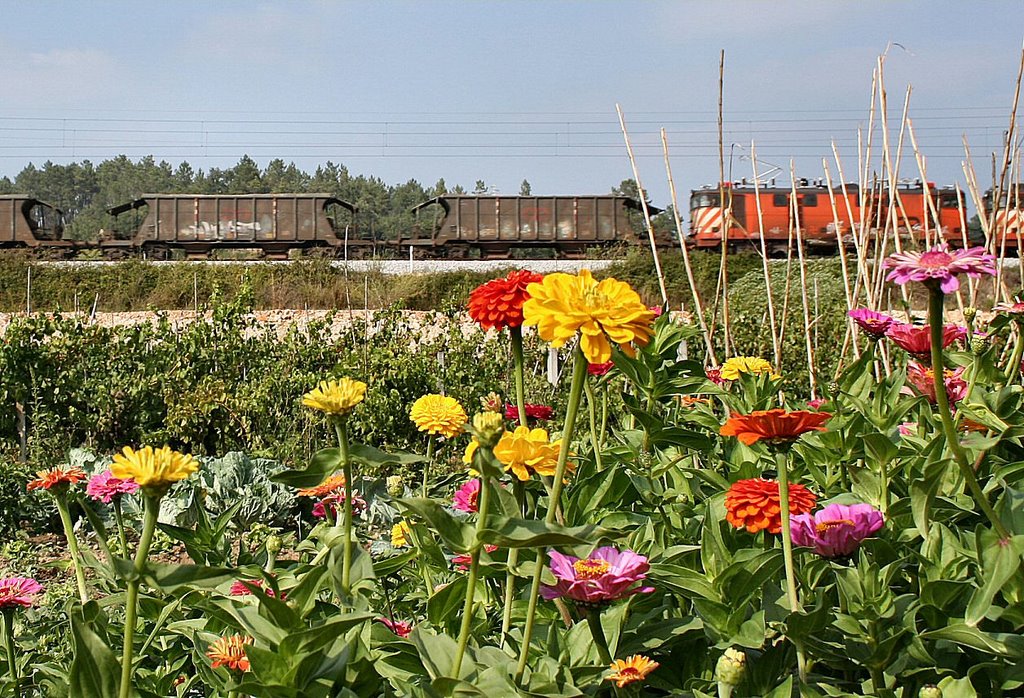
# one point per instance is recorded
(439, 414)
(773, 426)
(563, 304)
(329, 505)
(17, 591)
(491, 402)
(498, 303)
(329, 486)
(632, 669)
(103, 487)
(398, 627)
(466, 497)
(816, 403)
(939, 265)
(922, 380)
(607, 575)
(733, 368)
(600, 369)
(714, 375)
(400, 534)
(57, 477)
(239, 588)
(908, 428)
(154, 470)
(1014, 310)
(335, 397)
(526, 451)
(230, 652)
(916, 340)
(754, 504)
(874, 324)
(541, 412)
(837, 530)
(462, 562)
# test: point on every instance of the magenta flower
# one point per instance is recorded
(922, 380)
(908, 428)
(239, 588)
(17, 591)
(837, 530)
(939, 265)
(328, 506)
(466, 497)
(541, 412)
(714, 375)
(103, 487)
(816, 403)
(599, 369)
(607, 575)
(462, 562)
(916, 340)
(874, 324)
(1015, 309)
(398, 627)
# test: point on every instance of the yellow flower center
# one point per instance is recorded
(590, 569)
(827, 525)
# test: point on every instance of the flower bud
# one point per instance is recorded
(930, 690)
(979, 342)
(274, 544)
(395, 485)
(492, 402)
(731, 667)
(488, 427)
(969, 315)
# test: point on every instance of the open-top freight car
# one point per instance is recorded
(771, 209)
(200, 224)
(26, 222)
(459, 226)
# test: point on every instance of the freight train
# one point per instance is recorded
(165, 226)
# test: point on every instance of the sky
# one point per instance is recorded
(506, 91)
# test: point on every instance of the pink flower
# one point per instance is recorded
(600, 369)
(239, 588)
(922, 380)
(398, 627)
(1016, 308)
(939, 265)
(103, 487)
(541, 412)
(607, 575)
(462, 562)
(328, 506)
(916, 340)
(714, 375)
(17, 591)
(465, 498)
(837, 530)
(657, 310)
(816, 403)
(908, 428)
(874, 324)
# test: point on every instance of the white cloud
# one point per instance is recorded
(59, 78)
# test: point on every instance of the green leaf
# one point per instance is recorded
(530, 533)
(1003, 644)
(923, 492)
(457, 535)
(372, 457)
(169, 577)
(95, 671)
(437, 652)
(684, 581)
(323, 463)
(393, 564)
(1000, 561)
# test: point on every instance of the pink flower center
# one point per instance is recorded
(590, 569)
(828, 525)
(934, 259)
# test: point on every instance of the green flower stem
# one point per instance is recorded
(519, 371)
(935, 308)
(597, 632)
(346, 466)
(12, 662)
(782, 465)
(592, 411)
(152, 511)
(426, 464)
(518, 365)
(474, 567)
(119, 519)
(76, 557)
(579, 377)
(1012, 369)
(604, 414)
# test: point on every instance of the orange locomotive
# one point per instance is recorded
(815, 214)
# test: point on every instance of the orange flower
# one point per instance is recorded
(48, 479)
(754, 504)
(631, 669)
(329, 486)
(774, 426)
(498, 303)
(230, 652)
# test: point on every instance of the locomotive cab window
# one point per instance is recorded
(810, 200)
(780, 200)
(704, 199)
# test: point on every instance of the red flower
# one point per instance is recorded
(541, 412)
(916, 340)
(462, 562)
(48, 479)
(754, 504)
(398, 627)
(498, 303)
(600, 369)
(714, 375)
(773, 426)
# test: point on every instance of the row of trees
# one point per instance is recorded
(85, 191)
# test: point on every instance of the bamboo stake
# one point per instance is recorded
(795, 210)
(857, 229)
(851, 326)
(694, 291)
(776, 345)
(723, 271)
(646, 210)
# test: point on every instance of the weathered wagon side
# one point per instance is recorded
(29, 222)
(199, 224)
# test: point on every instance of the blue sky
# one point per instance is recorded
(501, 91)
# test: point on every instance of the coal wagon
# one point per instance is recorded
(29, 223)
(199, 225)
(460, 226)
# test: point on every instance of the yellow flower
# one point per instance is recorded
(525, 451)
(635, 668)
(733, 367)
(153, 469)
(489, 428)
(563, 304)
(438, 414)
(400, 533)
(335, 397)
